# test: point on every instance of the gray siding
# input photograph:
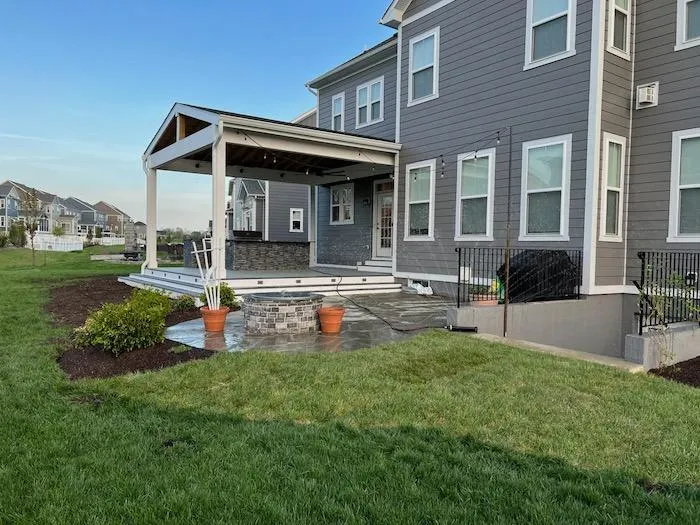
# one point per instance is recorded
(284, 196)
(385, 129)
(615, 119)
(483, 88)
(346, 244)
(678, 109)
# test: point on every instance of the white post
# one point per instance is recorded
(218, 208)
(312, 224)
(151, 219)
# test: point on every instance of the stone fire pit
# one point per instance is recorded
(281, 313)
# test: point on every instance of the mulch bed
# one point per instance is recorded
(687, 372)
(70, 306)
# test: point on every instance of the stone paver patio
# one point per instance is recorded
(406, 313)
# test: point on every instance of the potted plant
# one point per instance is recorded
(482, 295)
(213, 313)
(331, 318)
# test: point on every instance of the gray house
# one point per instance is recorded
(90, 218)
(9, 205)
(51, 208)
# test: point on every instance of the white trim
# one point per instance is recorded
(341, 222)
(376, 227)
(192, 143)
(681, 23)
(359, 58)
(431, 202)
(564, 189)
(426, 11)
(395, 213)
(399, 54)
(674, 209)
(340, 96)
(490, 154)
(304, 116)
(267, 210)
(595, 102)
(614, 289)
(182, 109)
(435, 33)
(368, 87)
(609, 138)
(570, 36)
(292, 211)
(426, 277)
(323, 265)
(610, 47)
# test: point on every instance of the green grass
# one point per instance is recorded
(443, 428)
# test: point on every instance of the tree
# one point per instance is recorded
(98, 232)
(31, 208)
(58, 231)
(17, 236)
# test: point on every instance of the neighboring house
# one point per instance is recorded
(50, 205)
(9, 205)
(307, 118)
(90, 218)
(140, 229)
(114, 218)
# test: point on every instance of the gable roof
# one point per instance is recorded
(253, 188)
(77, 204)
(43, 196)
(108, 209)
(6, 189)
(393, 16)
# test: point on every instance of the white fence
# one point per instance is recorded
(109, 241)
(65, 243)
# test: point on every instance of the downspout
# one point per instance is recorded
(144, 165)
(633, 52)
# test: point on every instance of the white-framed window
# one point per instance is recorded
(684, 215)
(687, 24)
(338, 112)
(612, 202)
(343, 204)
(420, 201)
(2, 221)
(296, 220)
(370, 103)
(550, 31)
(476, 182)
(544, 199)
(620, 27)
(2, 203)
(424, 65)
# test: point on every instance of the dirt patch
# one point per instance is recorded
(687, 372)
(71, 305)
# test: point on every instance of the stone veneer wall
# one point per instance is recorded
(252, 255)
(285, 316)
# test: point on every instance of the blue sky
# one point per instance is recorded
(85, 84)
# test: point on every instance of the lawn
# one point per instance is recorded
(444, 428)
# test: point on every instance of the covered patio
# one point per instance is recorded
(222, 144)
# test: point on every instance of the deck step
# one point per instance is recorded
(384, 263)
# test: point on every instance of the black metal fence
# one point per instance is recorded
(492, 275)
(669, 288)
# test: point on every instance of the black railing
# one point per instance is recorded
(492, 275)
(669, 288)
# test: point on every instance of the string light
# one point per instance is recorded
(498, 138)
(442, 167)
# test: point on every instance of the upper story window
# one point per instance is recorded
(619, 28)
(544, 200)
(476, 181)
(551, 28)
(420, 201)
(296, 220)
(370, 103)
(684, 218)
(613, 184)
(338, 112)
(2, 203)
(687, 24)
(424, 51)
(342, 204)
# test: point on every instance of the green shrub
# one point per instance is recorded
(3, 240)
(17, 236)
(228, 297)
(137, 323)
(184, 303)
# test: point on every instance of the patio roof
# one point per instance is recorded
(264, 149)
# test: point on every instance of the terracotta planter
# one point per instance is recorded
(484, 300)
(214, 320)
(331, 318)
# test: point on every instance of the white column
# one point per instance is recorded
(218, 207)
(151, 218)
(313, 202)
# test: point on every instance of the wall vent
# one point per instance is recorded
(648, 95)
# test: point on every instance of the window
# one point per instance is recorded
(619, 28)
(544, 201)
(551, 27)
(2, 221)
(338, 112)
(476, 176)
(420, 198)
(684, 218)
(423, 60)
(296, 220)
(2, 203)
(614, 154)
(370, 103)
(687, 24)
(342, 204)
